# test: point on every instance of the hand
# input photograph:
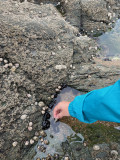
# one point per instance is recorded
(61, 110)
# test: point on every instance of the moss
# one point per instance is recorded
(98, 133)
(94, 133)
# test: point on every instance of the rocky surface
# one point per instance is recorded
(39, 50)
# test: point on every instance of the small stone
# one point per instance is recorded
(41, 104)
(1, 59)
(43, 112)
(24, 116)
(5, 61)
(17, 65)
(30, 124)
(31, 141)
(35, 138)
(13, 69)
(30, 128)
(29, 95)
(26, 143)
(114, 152)
(15, 144)
(96, 147)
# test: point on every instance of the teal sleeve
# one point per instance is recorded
(101, 104)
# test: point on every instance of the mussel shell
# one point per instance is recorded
(45, 124)
(46, 116)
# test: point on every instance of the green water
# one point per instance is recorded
(109, 42)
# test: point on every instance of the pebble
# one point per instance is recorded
(1, 59)
(26, 143)
(31, 141)
(30, 124)
(28, 95)
(41, 104)
(30, 128)
(114, 152)
(5, 61)
(24, 116)
(96, 147)
(15, 144)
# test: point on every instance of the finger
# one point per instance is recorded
(56, 110)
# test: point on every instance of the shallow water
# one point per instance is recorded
(109, 42)
(59, 130)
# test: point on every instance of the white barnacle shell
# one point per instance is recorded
(59, 87)
(24, 116)
(52, 96)
(66, 158)
(41, 104)
(114, 152)
(15, 144)
(5, 61)
(13, 69)
(43, 112)
(10, 64)
(41, 139)
(30, 128)
(6, 66)
(28, 95)
(1, 59)
(59, 67)
(35, 138)
(57, 90)
(26, 143)
(31, 141)
(30, 124)
(36, 103)
(96, 147)
(53, 53)
(16, 65)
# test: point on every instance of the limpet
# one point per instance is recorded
(26, 143)
(5, 61)
(66, 158)
(41, 104)
(42, 133)
(1, 59)
(31, 141)
(23, 116)
(114, 152)
(30, 124)
(46, 142)
(28, 95)
(35, 138)
(30, 128)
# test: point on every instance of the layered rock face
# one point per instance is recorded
(45, 51)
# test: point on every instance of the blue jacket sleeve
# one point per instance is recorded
(101, 104)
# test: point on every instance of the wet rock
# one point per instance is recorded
(45, 124)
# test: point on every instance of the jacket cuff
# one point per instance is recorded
(75, 108)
